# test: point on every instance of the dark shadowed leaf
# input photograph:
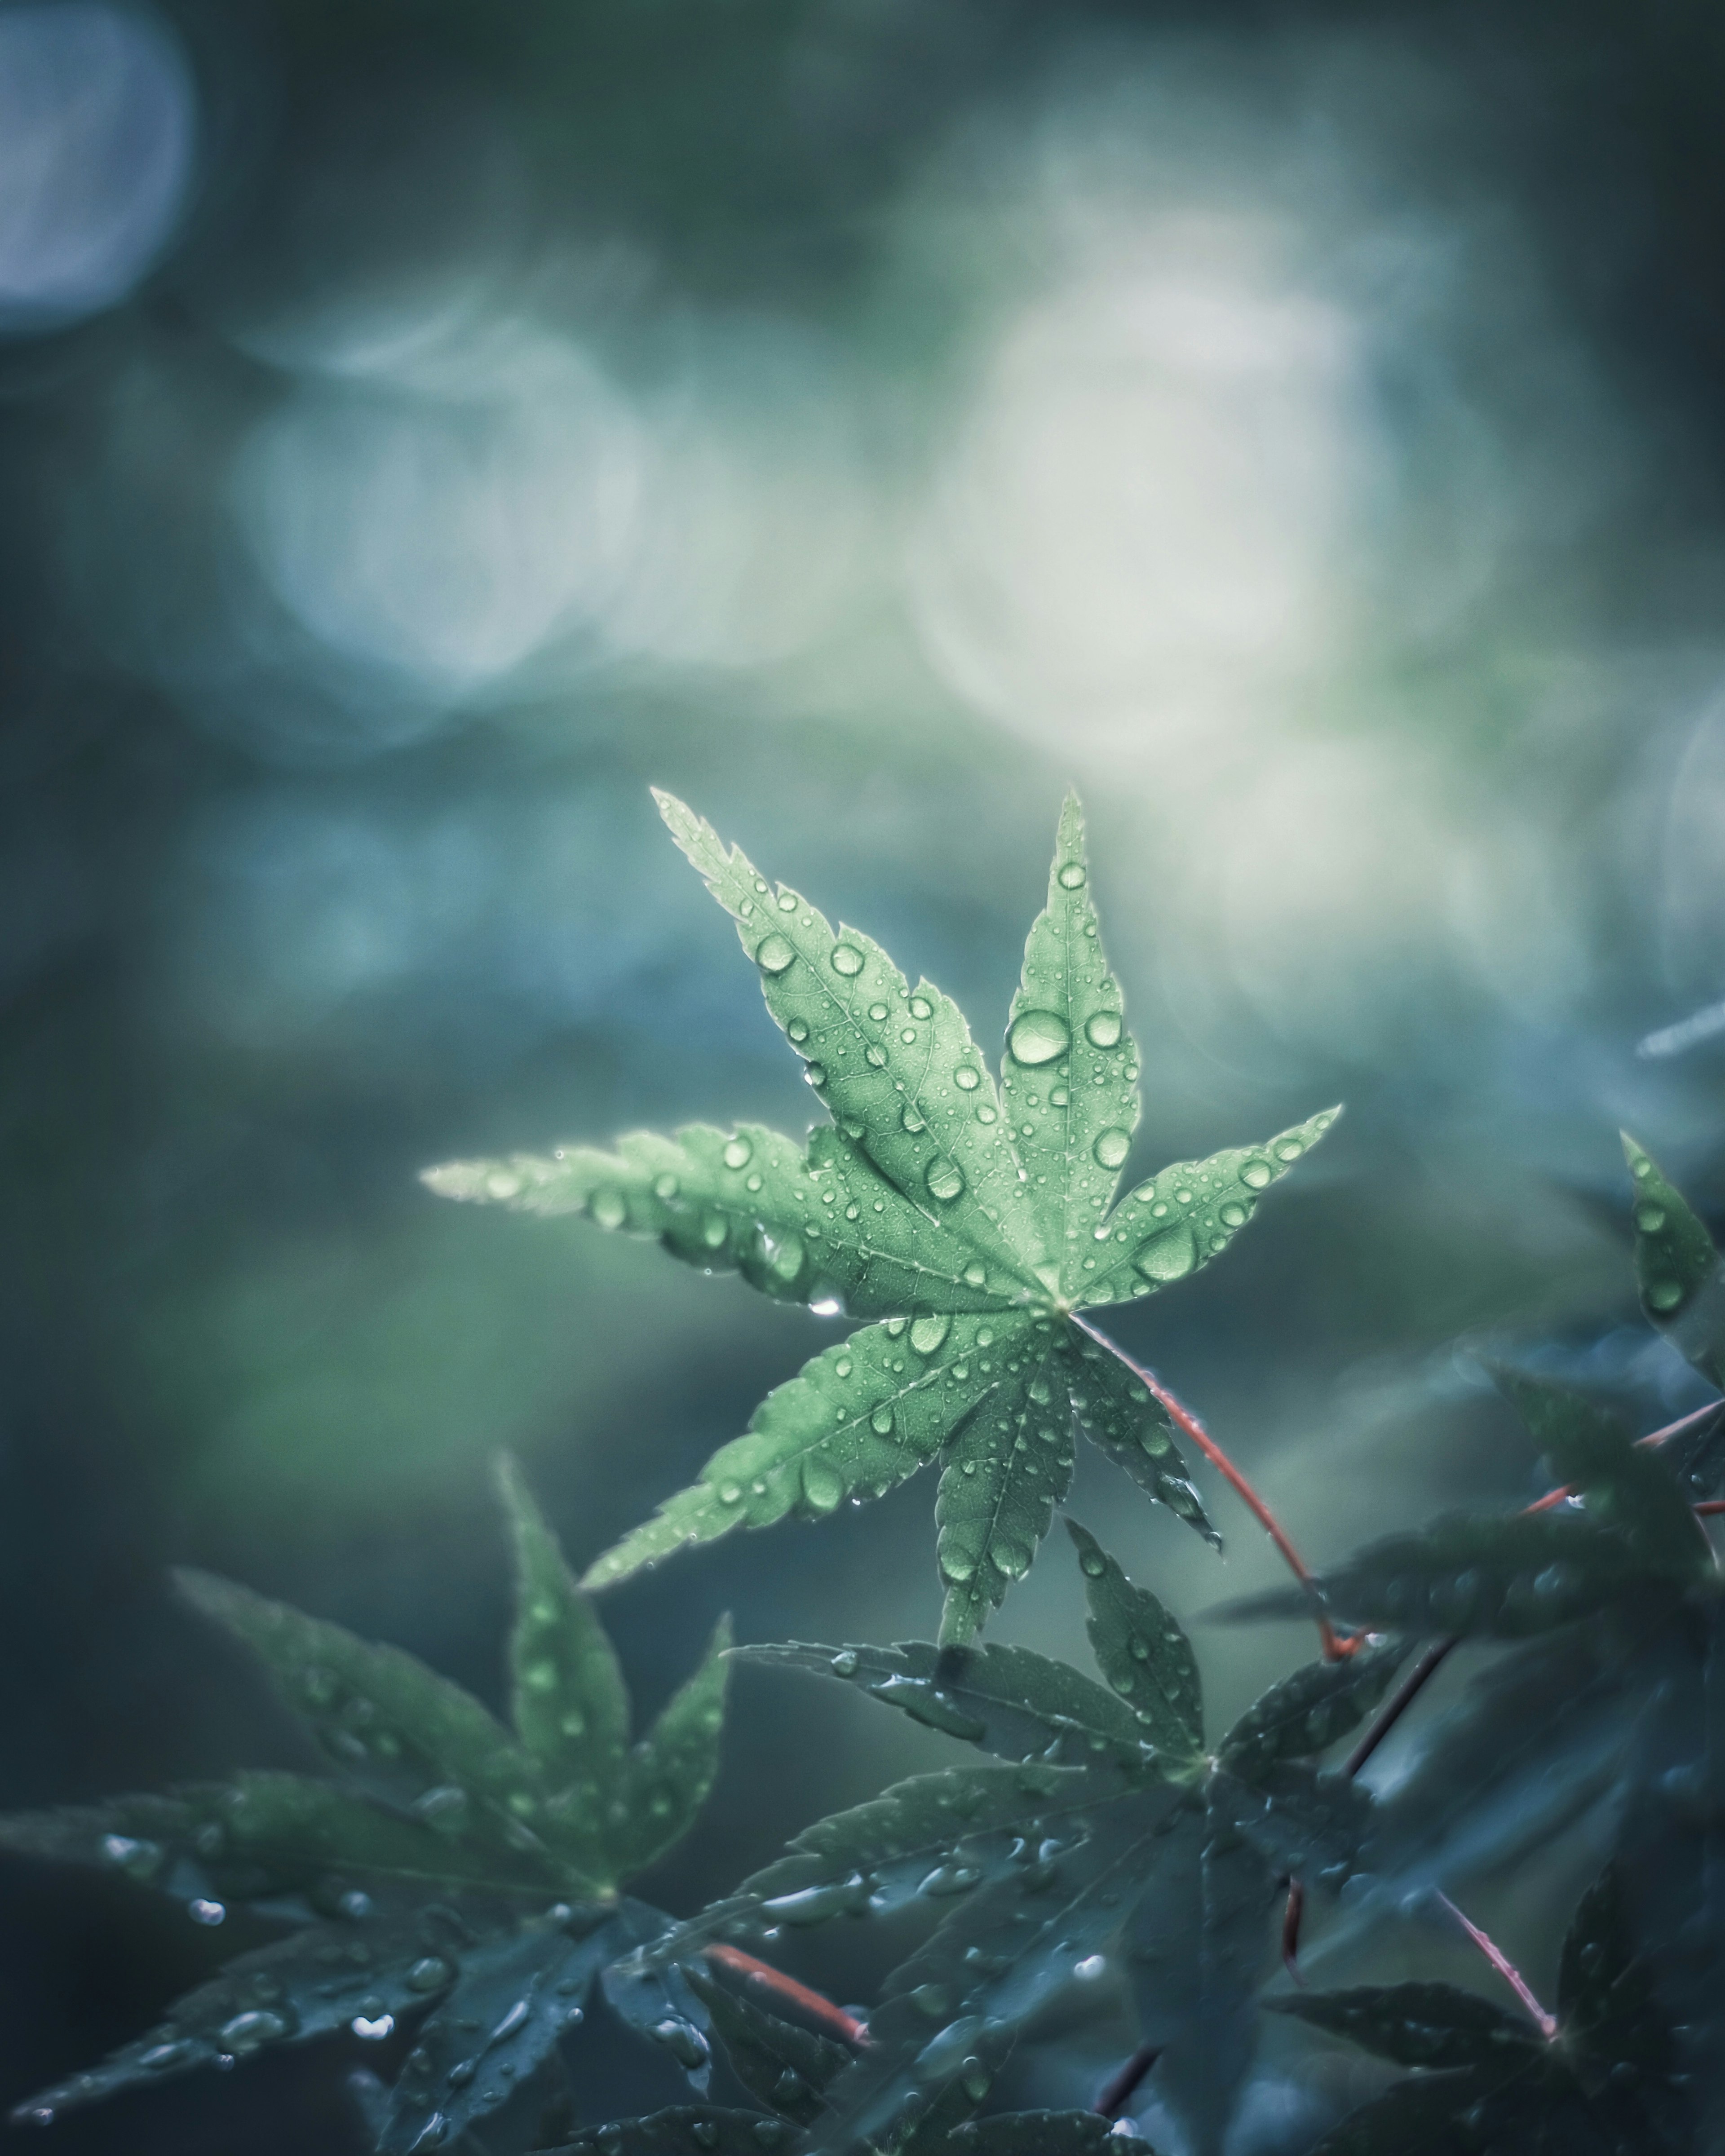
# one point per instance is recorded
(1141, 1651)
(1306, 1713)
(1043, 2133)
(1436, 2025)
(656, 2000)
(315, 1983)
(1010, 1701)
(515, 1993)
(1307, 1824)
(1197, 1951)
(779, 2063)
(1626, 1486)
(1682, 1287)
(685, 2130)
(668, 1776)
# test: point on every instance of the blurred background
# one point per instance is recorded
(423, 426)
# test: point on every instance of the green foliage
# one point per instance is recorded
(973, 1221)
(457, 1875)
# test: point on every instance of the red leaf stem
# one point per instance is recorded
(1547, 2023)
(762, 1976)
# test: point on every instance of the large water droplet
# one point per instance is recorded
(786, 1257)
(846, 959)
(1070, 876)
(929, 1333)
(1112, 1146)
(738, 1152)
(823, 1485)
(1233, 1214)
(945, 1178)
(1664, 1294)
(967, 1078)
(1168, 1256)
(1650, 1219)
(1039, 1036)
(430, 1972)
(926, 1703)
(1256, 1174)
(774, 953)
(1101, 1029)
(248, 2032)
(880, 1421)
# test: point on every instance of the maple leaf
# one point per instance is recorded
(1111, 1829)
(460, 1873)
(971, 1220)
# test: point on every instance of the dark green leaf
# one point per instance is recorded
(1073, 1105)
(1044, 2133)
(1421, 2118)
(1009, 1465)
(385, 1716)
(571, 1707)
(1682, 1288)
(1008, 1950)
(854, 1423)
(672, 1769)
(513, 1997)
(780, 2064)
(657, 2001)
(1608, 2001)
(313, 1983)
(1142, 1652)
(1196, 1949)
(1504, 1578)
(1127, 1420)
(1010, 1700)
(1420, 2025)
(1308, 1825)
(1306, 1713)
(685, 2130)
(1626, 1486)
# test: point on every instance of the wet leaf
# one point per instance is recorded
(1677, 1268)
(781, 2065)
(1435, 2026)
(1010, 1701)
(670, 1773)
(1306, 1713)
(685, 2130)
(974, 1219)
(1142, 1652)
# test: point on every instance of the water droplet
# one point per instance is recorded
(949, 1879)
(1111, 1147)
(738, 1152)
(1168, 1256)
(967, 1078)
(875, 1057)
(609, 1209)
(372, 2031)
(1650, 1219)
(846, 959)
(880, 1422)
(1093, 1564)
(975, 1276)
(770, 2132)
(920, 1007)
(1058, 1097)
(1664, 1295)
(1233, 1214)
(430, 1972)
(160, 2056)
(986, 1114)
(797, 1031)
(787, 901)
(445, 1806)
(1289, 1148)
(248, 2031)
(730, 1493)
(774, 953)
(844, 1663)
(907, 1034)
(1091, 1967)
(933, 2000)
(205, 1912)
(1011, 1560)
(815, 1074)
(823, 1485)
(878, 1013)
(1039, 1036)
(945, 1178)
(929, 1333)
(1256, 1174)
(1070, 876)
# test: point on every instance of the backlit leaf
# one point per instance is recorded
(1434, 2025)
(1305, 1713)
(669, 1774)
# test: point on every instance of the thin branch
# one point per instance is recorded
(1547, 2023)
(1653, 1439)
(1335, 1647)
(1120, 2092)
(762, 1976)
(1398, 1701)
(1291, 1930)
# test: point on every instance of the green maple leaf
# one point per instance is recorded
(971, 1220)
(457, 1870)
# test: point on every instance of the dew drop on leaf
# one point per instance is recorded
(846, 959)
(929, 1333)
(738, 1152)
(773, 953)
(1233, 1214)
(1039, 1036)
(1665, 1295)
(1111, 1147)
(844, 1663)
(609, 1209)
(1650, 1219)
(880, 1422)
(1071, 876)
(1256, 1174)
(797, 1031)
(1168, 1256)
(967, 1078)
(814, 1073)
(823, 1486)
(945, 1178)
(1101, 1029)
